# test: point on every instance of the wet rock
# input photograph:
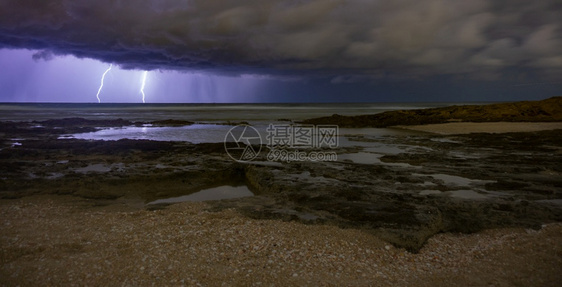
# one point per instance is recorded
(512, 174)
(229, 123)
(171, 123)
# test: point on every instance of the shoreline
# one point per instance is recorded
(548, 110)
(403, 189)
(421, 210)
(483, 127)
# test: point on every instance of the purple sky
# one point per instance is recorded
(280, 51)
(69, 79)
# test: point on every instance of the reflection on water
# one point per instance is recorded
(429, 191)
(371, 158)
(467, 194)
(258, 115)
(94, 168)
(216, 193)
(211, 133)
(98, 167)
(197, 133)
(361, 157)
(456, 180)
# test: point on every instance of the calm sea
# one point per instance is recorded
(196, 112)
(206, 115)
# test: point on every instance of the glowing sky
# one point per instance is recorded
(280, 51)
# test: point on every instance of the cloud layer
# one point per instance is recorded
(347, 41)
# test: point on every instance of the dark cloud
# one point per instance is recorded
(45, 55)
(347, 41)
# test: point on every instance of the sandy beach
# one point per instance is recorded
(490, 127)
(58, 240)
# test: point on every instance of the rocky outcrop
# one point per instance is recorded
(431, 184)
(549, 110)
(171, 123)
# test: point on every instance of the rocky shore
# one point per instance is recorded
(61, 240)
(431, 184)
(491, 127)
(377, 214)
(549, 110)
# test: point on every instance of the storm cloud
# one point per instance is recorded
(345, 41)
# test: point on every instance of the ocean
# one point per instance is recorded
(210, 119)
(196, 112)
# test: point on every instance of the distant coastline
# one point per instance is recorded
(549, 110)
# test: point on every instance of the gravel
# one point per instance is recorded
(58, 240)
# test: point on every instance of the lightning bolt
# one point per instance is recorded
(102, 78)
(144, 74)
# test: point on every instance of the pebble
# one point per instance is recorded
(173, 249)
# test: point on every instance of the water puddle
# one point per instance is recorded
(429, 191)
(54, 175)
(445, 140)
(367, 137)
(456, 180)
(467, 194)
(215, 193)
(428, 183)
(463, 155)
(370, 158)
(386, 149)
(196, 133)
(94, 168)
(361, 157)
(453, 179)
